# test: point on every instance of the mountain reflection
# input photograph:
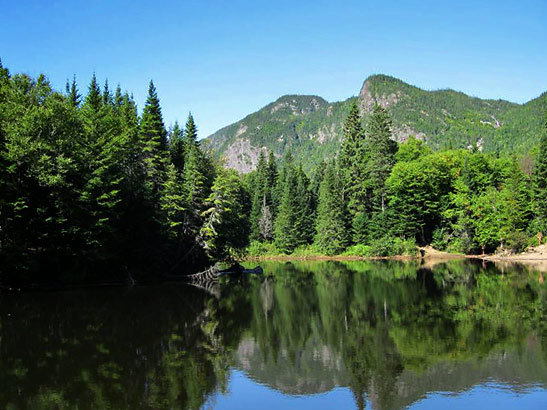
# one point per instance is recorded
(389, 331)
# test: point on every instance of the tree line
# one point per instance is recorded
(378, 197)
(90, 189)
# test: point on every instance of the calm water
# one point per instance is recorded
(317, 335)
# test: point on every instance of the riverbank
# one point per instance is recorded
(534, 254)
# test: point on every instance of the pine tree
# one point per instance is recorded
(259, 200)
(177, 147)
(198, 176)
(72, 93)
(351, 161)
(305, 216)
(107, 95)
(172, 203)
(332, 235)
(153, 142)
(286, 236)
(380, 157)
(191, 131)
(93, 98)
(118, 97)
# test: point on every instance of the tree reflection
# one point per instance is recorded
(387, 330)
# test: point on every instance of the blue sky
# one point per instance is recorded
(225, 59)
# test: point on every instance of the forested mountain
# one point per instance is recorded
(312, 128)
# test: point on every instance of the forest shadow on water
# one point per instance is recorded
(381, 335)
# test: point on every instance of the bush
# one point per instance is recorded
(386, 246)
(306, 250)
(257, 249)
(358, 250)
(516, 241)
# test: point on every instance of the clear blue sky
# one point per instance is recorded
(225, 59)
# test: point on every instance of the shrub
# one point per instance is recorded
(257, 249)
(386, 246)
(358, 250)
(516, 241)
(306, 250)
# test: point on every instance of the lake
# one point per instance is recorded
(305, 335)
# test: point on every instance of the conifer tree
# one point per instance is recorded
(118, 97)
(380, 158)
(198, 177)
(259, 200)
(172, 203)
(191, 131)
(352, 160)
(93, 98)
(107, 95)
(73, 95)
(305, 216)
(540, 182)
(286, 236)
(226, 226)
(332, 235)
(177, 147)
(153, 141)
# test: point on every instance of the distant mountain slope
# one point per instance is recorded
(312, 127)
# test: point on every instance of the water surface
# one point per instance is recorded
(317, 335)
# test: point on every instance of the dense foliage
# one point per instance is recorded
(376, 195)
(90, 190)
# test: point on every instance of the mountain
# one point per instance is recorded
(312, 128)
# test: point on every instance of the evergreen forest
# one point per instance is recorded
(92, 189)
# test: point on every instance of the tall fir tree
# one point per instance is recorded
(72, 93)
(286, 235)
(381, 150)
(540, 182)
(107, 95)
(352, 160)
(198, 177)
(259, 200)
(332, 234)
(177, 147)
(93, 98)
(153, 142)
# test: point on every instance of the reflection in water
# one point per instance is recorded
(389, 332)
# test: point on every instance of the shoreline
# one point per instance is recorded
(425, 253)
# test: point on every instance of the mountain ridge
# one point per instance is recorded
(311, 127)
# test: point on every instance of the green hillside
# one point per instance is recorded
(312, 127)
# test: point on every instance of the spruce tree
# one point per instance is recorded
(259, 200)
(286, 235)
(107, 95)
(351, 161)
(93, 98)
(177, 147)
(197, 179)
(381, 150)
(118, 97)
(73, 95)
(332, 235)
(540, 182)
(305, 216)
(191, 131)
(153, 141)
